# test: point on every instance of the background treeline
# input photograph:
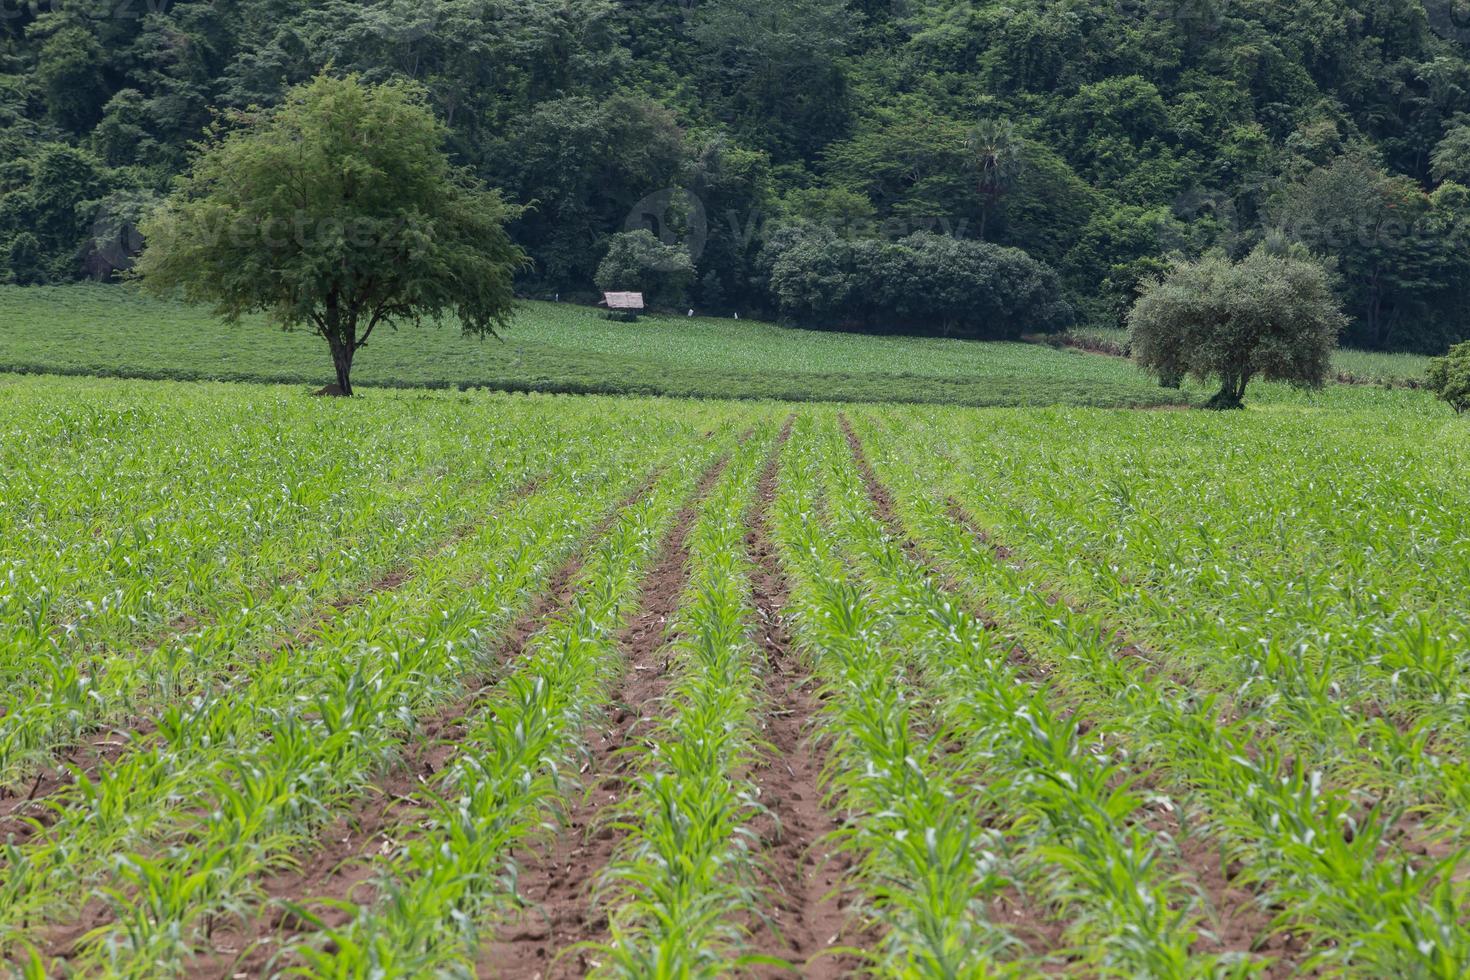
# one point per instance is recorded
(825, 141)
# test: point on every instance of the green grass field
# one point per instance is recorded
(110, 331)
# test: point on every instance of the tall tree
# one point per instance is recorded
(995, 155)
(337, 211)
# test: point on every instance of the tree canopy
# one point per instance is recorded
(336, 211)
(1270, 315)
(638, 262)
(1449, 377)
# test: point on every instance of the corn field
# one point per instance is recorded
(473, 684)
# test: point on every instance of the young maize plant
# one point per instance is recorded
(100, 673)
(515, 766)
(307, 702)
(1068, 803)
(926, 866)
(90, 691)
(682, 885)
(1401, 752)
(335, 713)
(166, 504)
(1334, 611)
(1368, 905)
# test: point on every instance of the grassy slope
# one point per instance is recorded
(108, 330)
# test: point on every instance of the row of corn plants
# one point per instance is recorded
(131, 511)
(58, 691)
(925, 865)
(1312, 574)
(332, 714)
(179, 832)
(73, 693)
(684, 885)
(1308, 689)
(1068, 802)
(517, 762)
(1323, 857)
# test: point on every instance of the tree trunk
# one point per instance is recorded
(1232, 392)
(342, 362)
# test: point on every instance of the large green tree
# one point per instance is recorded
(1272, 315)
(338, 212)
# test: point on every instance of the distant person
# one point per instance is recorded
(737, 316)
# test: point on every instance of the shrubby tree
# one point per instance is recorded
(1451, 159)
(1272, 315)
(637, 261)
(24, 261)
(1114, 252)
(339, 212)
(1449, 377)
(69, 72)
(921, 284)
(733, 185)
(54, 206)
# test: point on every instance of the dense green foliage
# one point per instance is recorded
(1449, 377)
(338, 212)
(638, 262)
(1100, 139)
(922, 283)
(1270, 316)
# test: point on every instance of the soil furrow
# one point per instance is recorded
(558, 886)
(809, 914)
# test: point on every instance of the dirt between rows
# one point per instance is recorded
(558, 887)
(340, 868)
(1239, 924)
(810, 914)
(807, 916)
(28, 815)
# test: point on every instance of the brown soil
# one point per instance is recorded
(558, 888)
(810, 915)
(1240, 926)
(1237, 922)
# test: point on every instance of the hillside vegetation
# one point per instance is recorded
(781, 144)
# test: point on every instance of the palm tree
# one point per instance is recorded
(995, 153)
